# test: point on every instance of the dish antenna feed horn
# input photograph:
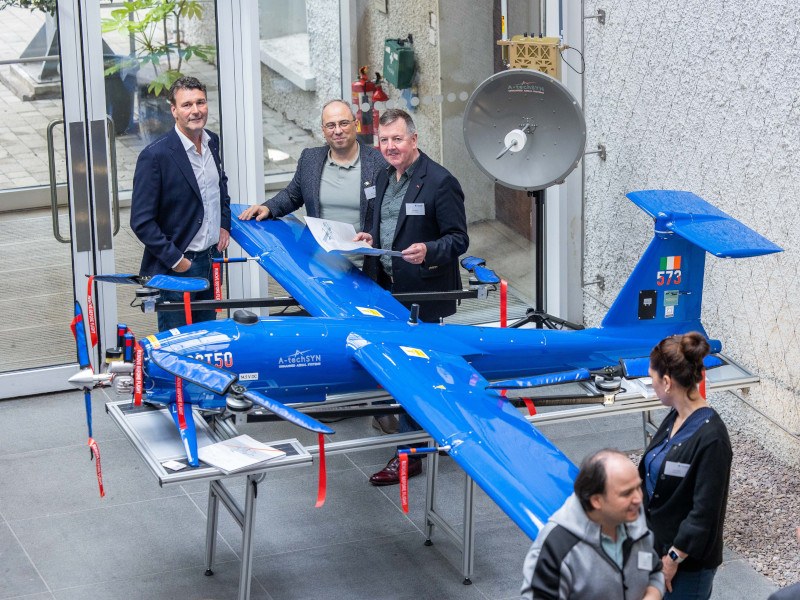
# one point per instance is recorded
(526, 131)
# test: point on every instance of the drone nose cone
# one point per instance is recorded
(83, 378)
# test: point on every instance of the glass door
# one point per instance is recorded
(81, 95)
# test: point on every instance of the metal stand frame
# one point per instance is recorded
(245, 519)
(466, 538)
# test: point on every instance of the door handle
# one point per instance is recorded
(112, 155)
(51, 162)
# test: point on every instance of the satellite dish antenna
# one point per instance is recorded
(524, 129)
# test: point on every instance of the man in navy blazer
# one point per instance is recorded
(180, 209)
(335, 181)
(419, 212)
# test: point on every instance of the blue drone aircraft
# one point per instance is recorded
(447, 377)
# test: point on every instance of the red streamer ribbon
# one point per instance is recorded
(179, 402)
(216, 270)
(96, 452)
(90, 319)
(187, 308)
(322, 486)
(503, 303)
(531, 407)
(404, 482)
(138, 374)
(703, 385)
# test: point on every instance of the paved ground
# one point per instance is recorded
(59, 541)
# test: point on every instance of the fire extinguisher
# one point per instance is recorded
(362, 90)
(377, 96)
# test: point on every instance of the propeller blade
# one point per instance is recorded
(171, 283)
(633, 368)
(470, 262)
(286, 413)
(541, 380)
(79, 331)
(195, 371)
(87, 400)
(188, 435)
(484, 275)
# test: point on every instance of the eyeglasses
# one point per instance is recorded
(341, 125)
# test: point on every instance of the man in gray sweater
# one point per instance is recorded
(597, 544)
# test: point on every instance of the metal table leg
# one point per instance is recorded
(433, 468)
(468, 558)
(247, 536)
(211, 528)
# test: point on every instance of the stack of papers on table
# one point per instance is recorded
(238, 453)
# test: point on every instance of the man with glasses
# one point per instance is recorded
(335, 181)
(180, 208)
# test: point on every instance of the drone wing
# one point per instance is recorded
(520, 469)
(325, 284)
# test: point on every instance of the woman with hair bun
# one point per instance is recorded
(686, 470)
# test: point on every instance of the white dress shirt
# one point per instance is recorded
(207, 175)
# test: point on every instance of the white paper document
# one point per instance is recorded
(335, 236)
(237, 453)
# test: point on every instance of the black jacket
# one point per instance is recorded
(688, 512)
(443, 228)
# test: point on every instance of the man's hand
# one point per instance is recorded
(363, 236)
(651, 593)
(259, 211)
(224, 239)
(669, 569)
(183, 266)
(415, 254)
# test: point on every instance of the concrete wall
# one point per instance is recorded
(304, 107)
(703, 96)
(404, 17)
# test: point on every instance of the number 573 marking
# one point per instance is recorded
(668, 277)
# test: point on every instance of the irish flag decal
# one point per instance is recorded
(669, 272)
(670, 263)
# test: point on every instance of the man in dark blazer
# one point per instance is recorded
(335, 181)
(427, 221)
(420, 212)
(180, 209)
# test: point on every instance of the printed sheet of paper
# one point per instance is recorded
(335, 236)
(237, 453)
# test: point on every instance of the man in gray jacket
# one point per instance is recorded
(597, 544)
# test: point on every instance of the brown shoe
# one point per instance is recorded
(390, 475)
(386, 423)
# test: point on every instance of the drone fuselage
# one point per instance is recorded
(302, 359)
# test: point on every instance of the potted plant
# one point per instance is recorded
(159, 52)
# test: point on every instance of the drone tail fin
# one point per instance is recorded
(666, 286)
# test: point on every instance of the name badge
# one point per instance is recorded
(415, 208)
(369, 192)
(675, 469)
(645, 561)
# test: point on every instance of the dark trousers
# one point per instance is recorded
(201, 267)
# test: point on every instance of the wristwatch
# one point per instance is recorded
(674, 556)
